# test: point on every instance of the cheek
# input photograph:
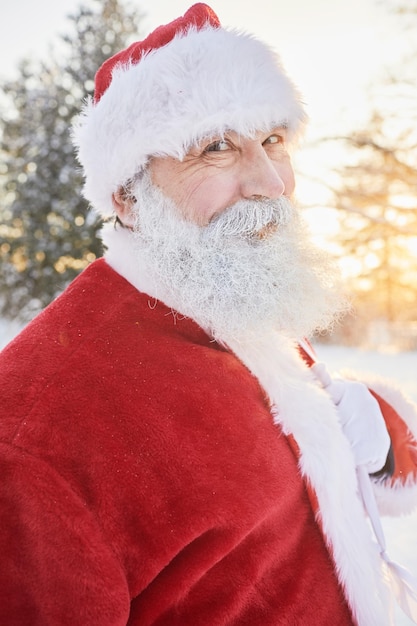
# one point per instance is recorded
(198, 192)
(207, 197)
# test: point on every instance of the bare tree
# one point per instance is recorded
(376, 196)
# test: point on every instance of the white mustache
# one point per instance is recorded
(248, 217)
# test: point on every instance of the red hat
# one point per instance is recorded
(187, 80)
(199, 15)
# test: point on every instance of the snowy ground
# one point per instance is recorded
(401, 534)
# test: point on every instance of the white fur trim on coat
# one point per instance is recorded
(201, 84)
(326, 461)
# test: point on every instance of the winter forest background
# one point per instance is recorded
(366, 214)
(363, 210)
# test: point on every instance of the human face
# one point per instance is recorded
(231, 282)
(220, 171)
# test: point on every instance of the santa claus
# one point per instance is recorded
(171, 453)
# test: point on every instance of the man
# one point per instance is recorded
(168, 457)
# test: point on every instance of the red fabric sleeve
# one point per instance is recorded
(55, 566)
(403, 444)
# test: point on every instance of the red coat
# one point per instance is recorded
(143, 479)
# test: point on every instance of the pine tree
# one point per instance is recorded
(47, 233)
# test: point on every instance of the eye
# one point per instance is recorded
(217, 146)
(274, 140)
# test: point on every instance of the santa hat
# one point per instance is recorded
(186, 81)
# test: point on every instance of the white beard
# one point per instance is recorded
(235, 277)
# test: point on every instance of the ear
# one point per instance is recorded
(123, 205)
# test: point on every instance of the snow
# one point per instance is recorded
(401, 368)
(8, 329)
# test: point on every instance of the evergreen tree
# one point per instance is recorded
(47, 233)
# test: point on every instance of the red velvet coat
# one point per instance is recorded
(143, 481)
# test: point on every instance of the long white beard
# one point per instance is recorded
(235, 277)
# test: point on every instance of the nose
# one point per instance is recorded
(263, 177)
